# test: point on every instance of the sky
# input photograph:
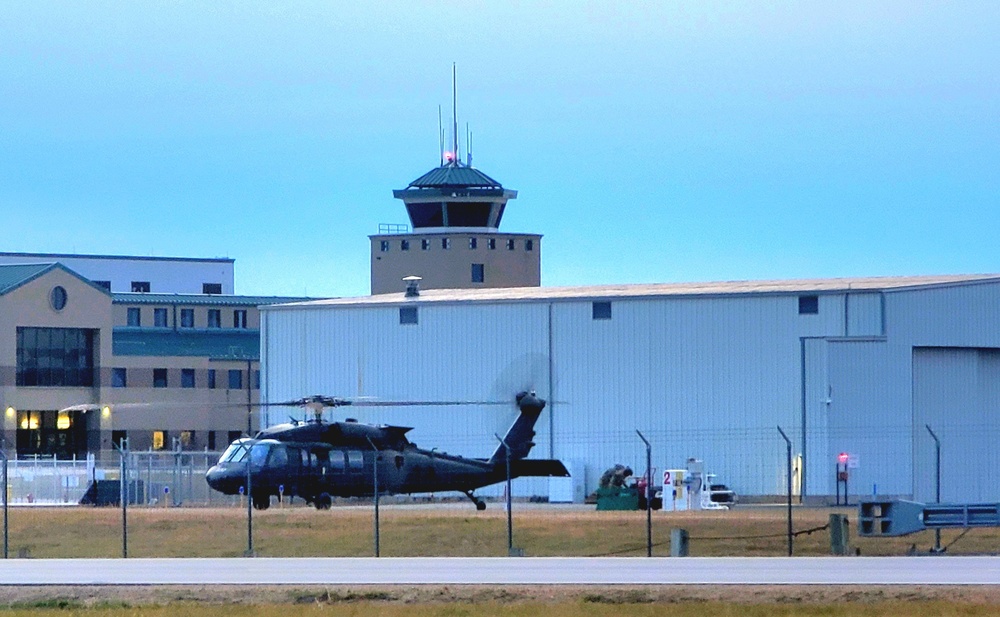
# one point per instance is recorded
(649, 141)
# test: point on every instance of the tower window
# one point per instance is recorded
(119, 378)
(159, 378)
(808, 305)
(472, 243)
(491, 243)
(214, 318)
(384, 246)
(235, 379)
(445, 243)
(408, 315)
(187, 377)
(134, 317)
(104, 284)
(140, 286)
(160, 317)
(404, 245)
(425, 244)
(529, 245)
(187, 318)
(478, 273)
(240, 318)
(510, 245)
(602, 310)
(211, 288)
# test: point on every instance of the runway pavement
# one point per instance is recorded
(939, 570)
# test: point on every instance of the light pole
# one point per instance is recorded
(375, 482)
(122, 449)
(788, 458)
(510, 520)
(4, 455)
(649, 494)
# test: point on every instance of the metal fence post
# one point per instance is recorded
(375, 487)
(937, 485)
(649, 494)
(788, 457)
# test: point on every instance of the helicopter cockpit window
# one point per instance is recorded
(355, 459)
(258, 453)
(305, 458)
(235, 453)
(279, 457)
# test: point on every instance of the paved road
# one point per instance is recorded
(526, 571)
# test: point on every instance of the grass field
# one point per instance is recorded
(436, 531)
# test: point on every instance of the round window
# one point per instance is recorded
(58, 298)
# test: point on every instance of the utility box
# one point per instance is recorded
(840, 538)
(678, 543)
(617, 498)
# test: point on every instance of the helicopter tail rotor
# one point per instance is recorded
(519, 436)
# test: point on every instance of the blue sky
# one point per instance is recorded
(649, 141)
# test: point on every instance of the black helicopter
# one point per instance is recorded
(317, 460)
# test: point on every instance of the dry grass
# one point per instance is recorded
(433, 531)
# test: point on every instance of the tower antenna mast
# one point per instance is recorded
(454, 107)
(440, 137)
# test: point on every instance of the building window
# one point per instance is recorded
(187, 377)
(211, 379)
(120, 438)
(510, 245)
(234, 435)
(407, 315)
(187, 318)
(187, 439)
(256, 380)
(446, 243)
(159, 378)
(235, 379)
(140, 286)
(472, 243)
(240, 318)
(103, 284)
(425, 244)
(214, 318)
(491, 243)
(478, 273)
(159, 440)
(160, 317)
(119, 378)
(58, 297)
(404, 245)
(529, 245)
(384, 246)
(211, 440)
(211, 288)
(808, 305)
(55, 357)
(134, 317)
(602, 310)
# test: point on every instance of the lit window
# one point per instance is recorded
(235, 379)
(160, 317)
(140, 286)
(187, 377)
(187, 439)
(240, 318)
(808, 305)
(159, 378)
(211, 288)
(214, 318)
(63, 421)
(407, 315)
(384, 246)
(478, 273)
(472, 243)
(119, 378)
(187, 318)
(602, 310)
(159, 439)
(134, 317)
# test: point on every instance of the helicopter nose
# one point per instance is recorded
(222, 479)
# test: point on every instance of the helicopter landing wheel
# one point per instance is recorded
(480, 505)
(323, 501)
(261, 501)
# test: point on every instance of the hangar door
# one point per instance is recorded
(957, 392)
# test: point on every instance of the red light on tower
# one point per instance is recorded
(842, 458)
(449, 156)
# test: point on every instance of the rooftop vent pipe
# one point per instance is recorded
(412, 286)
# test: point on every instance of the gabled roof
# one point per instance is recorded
(201, 299)
(13, 276)
(660, 290)
(455, 175)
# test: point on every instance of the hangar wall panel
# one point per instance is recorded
(864, 314)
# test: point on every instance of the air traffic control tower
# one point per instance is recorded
(454, 239)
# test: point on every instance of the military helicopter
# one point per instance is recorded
(318, 460)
